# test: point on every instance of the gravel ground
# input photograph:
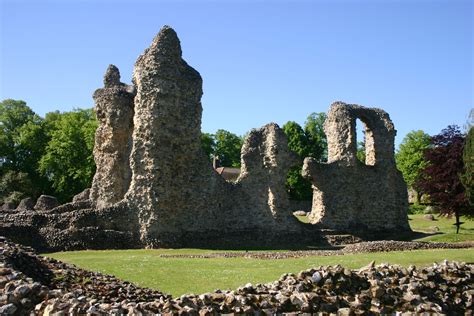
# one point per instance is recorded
(33, 284)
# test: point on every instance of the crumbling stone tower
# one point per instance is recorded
(348, 194)
(113, 139)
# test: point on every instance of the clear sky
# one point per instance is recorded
(261, 61)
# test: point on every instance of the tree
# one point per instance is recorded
(317, 141)
(410, 158)
(208, 144)
(308, 142)
(15, 186)
(297, 139)
(467, 177)
(68, 160)
(360, 154)
(441, 177)
(298, 187)
(22, 143)
(227, 148)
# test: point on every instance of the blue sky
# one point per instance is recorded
(261, 61)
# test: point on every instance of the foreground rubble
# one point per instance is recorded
(31, 283)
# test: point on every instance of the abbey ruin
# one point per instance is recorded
(155, 187)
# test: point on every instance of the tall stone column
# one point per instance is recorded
(114, 110)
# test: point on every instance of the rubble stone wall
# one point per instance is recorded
(114, 111)
(155, 187)
(348, 194)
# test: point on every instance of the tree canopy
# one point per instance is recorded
(308, 142)
(51, 155)
(441, 176)
(410, 156)
(467, 177)
(68, 161)
(227, 148)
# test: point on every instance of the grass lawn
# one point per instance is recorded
(178, 276)
(446, 232)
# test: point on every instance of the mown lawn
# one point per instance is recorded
(440, 230)
(178, 276)
(447, 231)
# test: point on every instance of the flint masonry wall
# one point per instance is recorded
(155, 187)
(348, 194)
(114, 111)
(173, 186)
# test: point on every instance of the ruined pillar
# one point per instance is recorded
(114, 111)
(355, 196)
(173, 186)
(266, 161)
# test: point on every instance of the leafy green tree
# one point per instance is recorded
(208, 144)
(308, 142)
(411, 160)
(317, 141)
(297, 139)
(467, 177)
(68, 160)
(227, 149)
(360, 154)
(16, 118)
(298, 187)
(15, 186)
(22, 143)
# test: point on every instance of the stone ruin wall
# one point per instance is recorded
(173, 187)
(155, 187)
(114, 110)
(348, 194)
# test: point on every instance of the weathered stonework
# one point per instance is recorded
(155, 187)
(350, 195)
(114, 110)
(174, 187)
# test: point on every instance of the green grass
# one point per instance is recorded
(178, 276)
(446, 233)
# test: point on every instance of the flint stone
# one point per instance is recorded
(83, 196)
(8, 309)
(26, 204)
(429, 217)
(46, 202)
(8, 206)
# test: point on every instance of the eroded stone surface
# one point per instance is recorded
(46, 202)
(114, 110)
(154, 186)
(350, 195)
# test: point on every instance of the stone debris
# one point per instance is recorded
(372, 246)
(83, 196)
(33, 284)
(26, 204)
(46, 202)
(300, 213)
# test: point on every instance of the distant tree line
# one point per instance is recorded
(50, 155)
